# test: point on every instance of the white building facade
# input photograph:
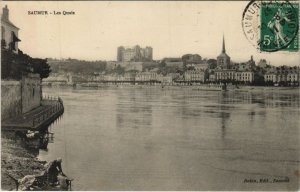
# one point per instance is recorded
(9, 32)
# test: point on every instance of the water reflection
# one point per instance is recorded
(138, 104)
(159, 139)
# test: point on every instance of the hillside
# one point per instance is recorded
(76, 66)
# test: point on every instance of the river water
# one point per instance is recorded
(177, 139)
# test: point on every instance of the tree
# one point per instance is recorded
(212, 63)
(41, 67)
(13, 65)
(162, 64)
(75, 66)
(259, 79)
(6, 60)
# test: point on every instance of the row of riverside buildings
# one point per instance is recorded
(273, 76)
(192, 68)
(248, 72)
(199, 71)
(139, 66)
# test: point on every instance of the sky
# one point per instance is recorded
(172, 29)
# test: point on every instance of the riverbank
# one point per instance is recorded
(17, 162)
(17, 159)
(37, 119)
(200, 87)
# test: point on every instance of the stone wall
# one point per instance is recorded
(11, 102)
(31, 92)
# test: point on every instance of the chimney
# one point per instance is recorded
(5, 13)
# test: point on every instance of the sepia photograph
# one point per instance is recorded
(150, 95)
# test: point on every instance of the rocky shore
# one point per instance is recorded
(17, 162)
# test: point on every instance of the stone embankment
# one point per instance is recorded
(36, 119)
(17, 159)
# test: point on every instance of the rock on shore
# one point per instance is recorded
(17, 162)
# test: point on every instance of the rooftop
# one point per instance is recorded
(5, 17)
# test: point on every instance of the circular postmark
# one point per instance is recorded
(271, 25)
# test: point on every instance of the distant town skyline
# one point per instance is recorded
(172, 29)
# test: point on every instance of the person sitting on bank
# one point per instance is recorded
(53, 170)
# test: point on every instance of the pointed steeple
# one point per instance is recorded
(223, 48)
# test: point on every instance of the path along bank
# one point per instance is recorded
(25, 117)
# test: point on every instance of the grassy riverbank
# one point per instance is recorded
(17, 162)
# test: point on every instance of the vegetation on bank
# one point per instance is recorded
(13, 65)
(76, 66)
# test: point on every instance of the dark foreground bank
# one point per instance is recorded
(17, 162)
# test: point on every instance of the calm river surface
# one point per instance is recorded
(180, 139)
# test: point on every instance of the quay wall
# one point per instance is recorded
(20, 96)
(31, 92)
(11, 102)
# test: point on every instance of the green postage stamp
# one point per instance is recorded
(272, 25)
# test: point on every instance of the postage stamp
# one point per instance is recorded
(272, 25)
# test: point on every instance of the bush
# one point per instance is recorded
(14, 65)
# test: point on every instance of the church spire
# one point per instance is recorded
(223, 48)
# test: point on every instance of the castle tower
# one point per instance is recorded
(120, 51)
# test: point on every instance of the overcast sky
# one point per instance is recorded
(171, 28)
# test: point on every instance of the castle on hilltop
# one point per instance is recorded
(135, 53)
